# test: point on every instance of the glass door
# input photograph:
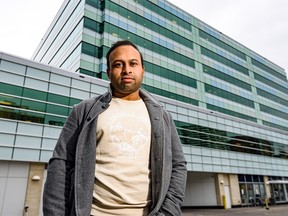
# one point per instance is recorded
(286, 186)
(251, 198)
(282, 197)
(243, 192)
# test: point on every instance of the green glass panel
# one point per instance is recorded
(221, 44)
(54, 120)
(170, 15)
(31, 117)
(58, 99)
(33, 105)
(227, 95)
(191, 134)
(171, 95)
(74, 101)
(35, 94)
(9, 101)
(272, 97)
(158, 10)
(11, 89)
(269, 70)
(88, 49)
(92, 50)
(230, 112)
(273, 111)
(226, 78)
(59, 110)
(104, 76)
(95, 3)
(270, 124)
(224, 61)
(92, 25)
(271, 83)
(9, 113)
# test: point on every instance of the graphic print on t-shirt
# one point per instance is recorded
(129, 134)
(123, 131)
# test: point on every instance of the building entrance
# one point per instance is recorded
(279, 192)
(252, 190)
(278, 189)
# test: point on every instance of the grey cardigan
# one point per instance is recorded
(70, 175)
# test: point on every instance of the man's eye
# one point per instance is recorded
(133, 63)
(117, 65)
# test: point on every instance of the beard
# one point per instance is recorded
(123, 88)
(126, 87)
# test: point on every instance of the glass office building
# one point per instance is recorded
(229, 103)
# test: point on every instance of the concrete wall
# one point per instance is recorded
(235, 190)
(200, 190)
(34, 188)
(13, 186)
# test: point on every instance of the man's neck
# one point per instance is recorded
(131, 96)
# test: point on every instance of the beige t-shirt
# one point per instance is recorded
(122, 174)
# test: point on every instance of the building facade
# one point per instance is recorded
(229, 103)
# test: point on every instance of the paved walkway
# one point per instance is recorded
(278, 210)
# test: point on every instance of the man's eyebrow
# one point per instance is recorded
(121, 60)
(117, 60)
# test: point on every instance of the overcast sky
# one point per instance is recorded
(260, 25)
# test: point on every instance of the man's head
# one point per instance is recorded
(122, 43)
(125, 70)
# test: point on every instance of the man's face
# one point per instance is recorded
(126, 72)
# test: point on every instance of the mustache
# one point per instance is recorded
(127, 77)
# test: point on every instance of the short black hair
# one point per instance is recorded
(122, 43)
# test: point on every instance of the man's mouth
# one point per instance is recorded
(127, 79)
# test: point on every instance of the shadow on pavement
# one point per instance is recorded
(280, 210)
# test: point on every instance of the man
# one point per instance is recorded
(119, 153)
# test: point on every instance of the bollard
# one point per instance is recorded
(224, 202)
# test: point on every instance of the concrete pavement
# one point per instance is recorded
(278, 210)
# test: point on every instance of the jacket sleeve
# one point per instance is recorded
(57, 199)
(176, 191)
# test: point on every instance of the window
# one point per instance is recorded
(36, 84)
(35, 94)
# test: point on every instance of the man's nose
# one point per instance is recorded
(127, 69)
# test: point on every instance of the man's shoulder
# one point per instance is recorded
(87, 103)
(155, 102)
(148, 97)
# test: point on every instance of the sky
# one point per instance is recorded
(260, 25)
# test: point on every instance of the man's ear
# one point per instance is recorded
(108, 72)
